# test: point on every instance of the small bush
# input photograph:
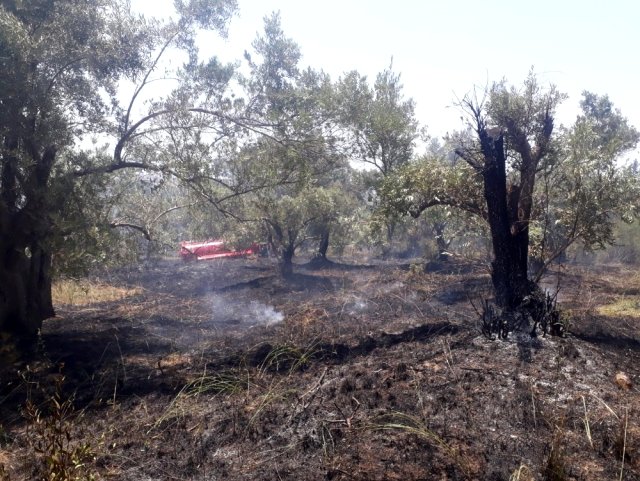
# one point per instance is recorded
(59, 457)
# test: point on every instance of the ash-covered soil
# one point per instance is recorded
(222, 371)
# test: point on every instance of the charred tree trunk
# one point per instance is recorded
(510, 206)
(510, 242)
(320, 260)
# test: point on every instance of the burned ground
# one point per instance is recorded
(221, 370)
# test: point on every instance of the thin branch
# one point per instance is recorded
(145, 232)
(107, 169)
(59, 72)
(469, 206)
(171, 209)
(146, 77)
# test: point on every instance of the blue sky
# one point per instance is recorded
(445, 48)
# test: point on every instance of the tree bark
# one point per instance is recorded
(323, 245)
(391, 225)
(25, 262)
(510, 244)
(286, 262)
(25, 289)
(441, 242)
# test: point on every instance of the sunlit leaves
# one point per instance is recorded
(206, 14)
(432, 181)
(590, 188)
(380, 121)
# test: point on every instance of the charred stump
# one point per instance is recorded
(538, 311)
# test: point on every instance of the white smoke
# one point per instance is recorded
(243, 312)
(357, 306)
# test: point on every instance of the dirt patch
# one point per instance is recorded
(222, 370)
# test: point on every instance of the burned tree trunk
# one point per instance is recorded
(510, 241)
(507, 156)
(25, 290)
(319, 259)
(521, 304)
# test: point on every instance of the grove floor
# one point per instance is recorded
(220, 370)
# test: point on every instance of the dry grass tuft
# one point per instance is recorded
(83, 292)
(555, 468)
(523, 473)
(624, 306)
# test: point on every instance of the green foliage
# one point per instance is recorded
(381, 124)
(62, 69)
(60, 458)
(291, 217)
(276, 76)
(523, 114)
(588, 190)
(626, 249)
(205, 14)
(428, 182)
(289, 195)
(578, 187)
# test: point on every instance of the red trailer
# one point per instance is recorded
(214, 249)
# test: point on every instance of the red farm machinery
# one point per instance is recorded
(216, 249)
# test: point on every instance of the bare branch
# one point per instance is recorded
(146, 78)
(145, 232)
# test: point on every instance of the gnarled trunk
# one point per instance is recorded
(25, 289)
(320, 257)
(510, 240)
(441, 242)
(286, 261)
(25, 226)
(323, 245)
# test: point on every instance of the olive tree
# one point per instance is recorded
(514, 144)
(380, 128)
(296, 164)
(60, 70)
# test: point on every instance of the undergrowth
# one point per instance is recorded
(410, 424)
(82, 292)
(58, 456)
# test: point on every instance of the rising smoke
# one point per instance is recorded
(243, 312)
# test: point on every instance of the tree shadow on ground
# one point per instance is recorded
(116, 361)
(617, 341)
(319, 264)
(296, 282)
(340, 353)
(100, 359)
(620, 333)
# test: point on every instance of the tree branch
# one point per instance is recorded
(145, 232)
